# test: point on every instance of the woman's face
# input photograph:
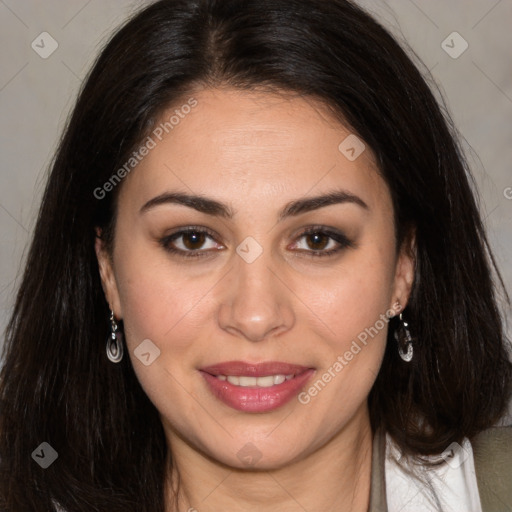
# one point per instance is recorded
(247, 288)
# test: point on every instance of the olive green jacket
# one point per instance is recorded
(492, 452)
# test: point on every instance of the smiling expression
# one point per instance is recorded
(247, 236)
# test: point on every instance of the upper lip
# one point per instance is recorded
(238, 368)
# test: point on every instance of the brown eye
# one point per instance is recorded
(319, 241)
(193, 240)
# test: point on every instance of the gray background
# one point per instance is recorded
(37, 94)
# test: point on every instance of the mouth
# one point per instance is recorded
(246, 381)
(255, 387)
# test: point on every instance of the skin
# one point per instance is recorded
(256, 152)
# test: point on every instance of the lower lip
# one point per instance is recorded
(252, 399)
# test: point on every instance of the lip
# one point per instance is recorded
(256, 399)
(237, 368)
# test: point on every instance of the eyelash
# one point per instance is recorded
(341, 239)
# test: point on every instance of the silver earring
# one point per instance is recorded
(114, 342)
(404, 340)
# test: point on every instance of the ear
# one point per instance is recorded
(107, 276)
(404, 271)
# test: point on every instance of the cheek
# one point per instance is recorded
(170, 311)
(159, 305)
(355, 295)
(352, 307)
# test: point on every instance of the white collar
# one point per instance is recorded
(448, 487)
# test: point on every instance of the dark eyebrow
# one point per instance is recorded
(313, 203)
(216, 208)
(199, 203)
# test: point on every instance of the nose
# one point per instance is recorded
(255, 302)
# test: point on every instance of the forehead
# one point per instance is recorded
(232, 144)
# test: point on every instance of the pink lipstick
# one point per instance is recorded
(256, 387)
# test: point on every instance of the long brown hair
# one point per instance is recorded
(57, 385)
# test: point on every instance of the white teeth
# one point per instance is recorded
(279, 379)
(266, 382)
(247, 381)
(262, 382)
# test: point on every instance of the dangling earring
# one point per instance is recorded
(114, 342)
(404, 340)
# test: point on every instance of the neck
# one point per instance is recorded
(334, 478)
